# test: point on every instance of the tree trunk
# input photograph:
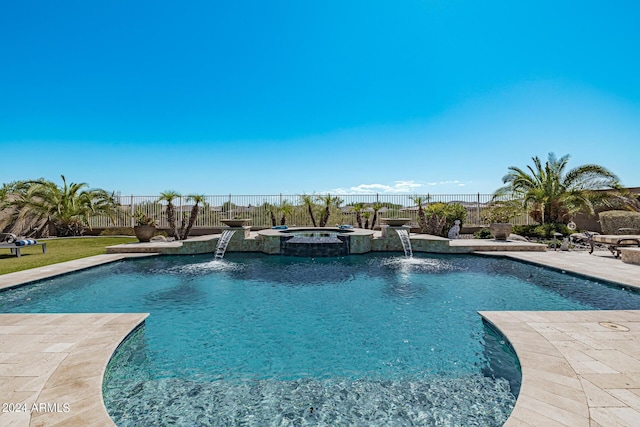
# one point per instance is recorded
(171, 218)
(313, 218)
(192, 220)
(422, 220)
(375, 218)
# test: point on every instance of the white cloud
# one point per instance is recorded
(398, 187)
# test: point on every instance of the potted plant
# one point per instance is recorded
(498, 215)
(145, 227)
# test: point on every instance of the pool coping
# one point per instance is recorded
(571, 373)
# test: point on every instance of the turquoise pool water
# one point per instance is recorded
(269, 340)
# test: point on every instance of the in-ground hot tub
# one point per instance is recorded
(315, 242)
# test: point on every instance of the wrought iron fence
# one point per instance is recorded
(267, 210)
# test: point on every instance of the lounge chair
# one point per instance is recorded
(614, 242)
(10, 241)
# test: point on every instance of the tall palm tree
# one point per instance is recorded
(40, 204)
(308, 202)
(422, 218)
(358, 208)
(169, 196)
(557, 193)
(195, 209)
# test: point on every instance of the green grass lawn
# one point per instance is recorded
(58, 250)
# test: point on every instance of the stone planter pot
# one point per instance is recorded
(236, 222)
(144, 233)
(500, 230)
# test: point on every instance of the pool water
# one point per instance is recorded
(269, 340)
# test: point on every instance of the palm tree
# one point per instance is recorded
(422, 218)
(366, 215)
(195, 209)
(285, 208)
(556, 193)
(358, 208)
(308, 202)
(376, 207)
(271, 209)
(168, 196)
(38, 205)
(329, 202)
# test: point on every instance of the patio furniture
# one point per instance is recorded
(19, 244)
(615, 242)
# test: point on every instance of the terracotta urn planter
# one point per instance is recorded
(500, 230)
(236, 222)
(144, 233)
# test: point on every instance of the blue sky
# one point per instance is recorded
(267, 97)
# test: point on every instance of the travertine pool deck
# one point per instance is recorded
(52, 365)
(579, 368)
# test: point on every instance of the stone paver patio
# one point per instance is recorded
(579, 368)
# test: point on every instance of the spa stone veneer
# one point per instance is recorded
(361, 241)
(343, 242)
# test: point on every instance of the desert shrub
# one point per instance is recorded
(612, 221)
(483, 233)
(525, 230)
(69, 228)
(118, 231)
(441, 217)
(501, 211)
(541, 231)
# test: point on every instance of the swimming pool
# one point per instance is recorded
(360, 340)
